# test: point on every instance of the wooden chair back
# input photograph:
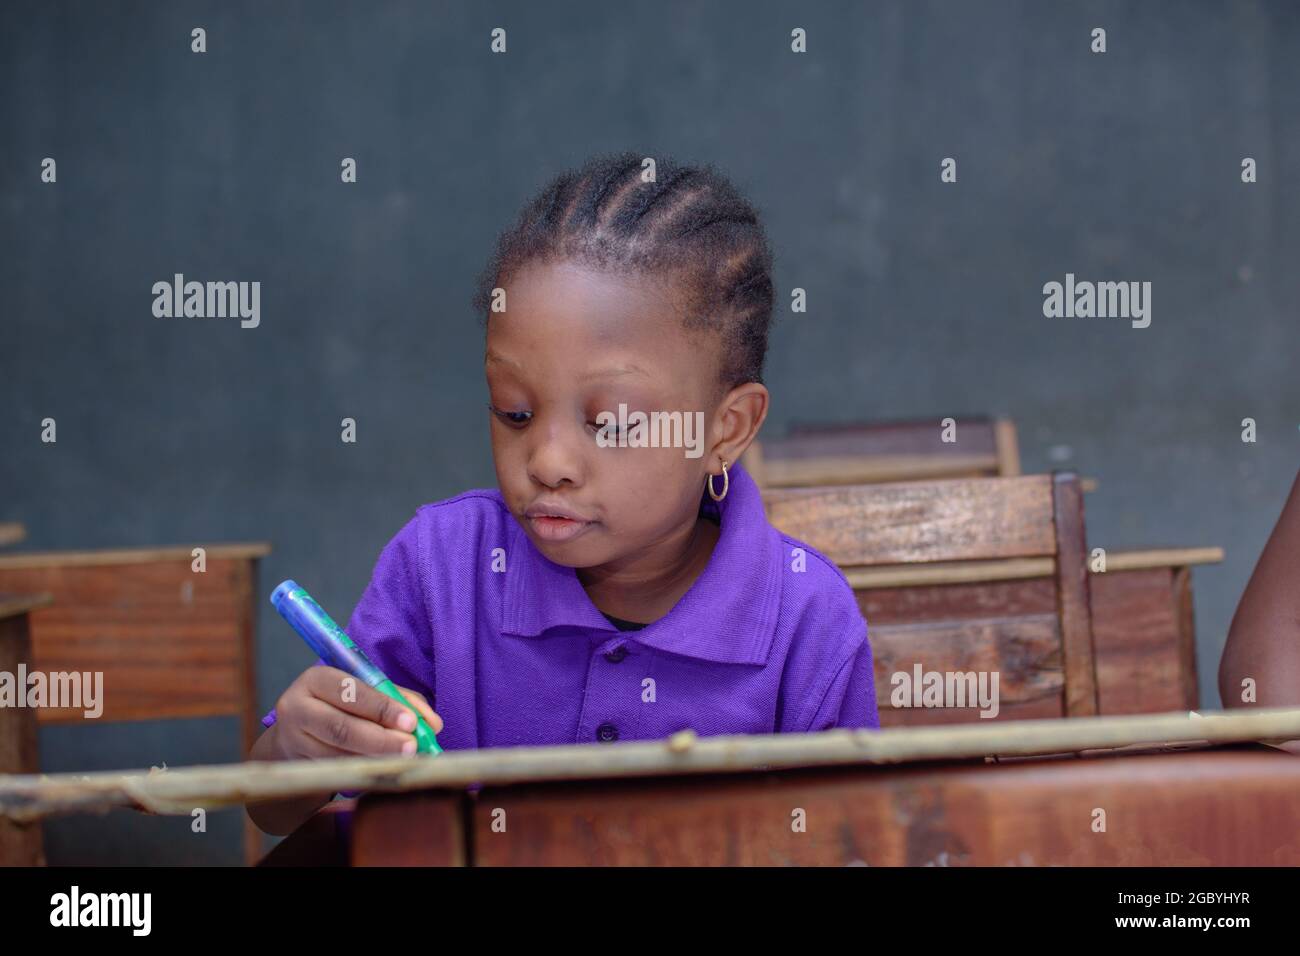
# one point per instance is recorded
(907, 534)
(860, 453)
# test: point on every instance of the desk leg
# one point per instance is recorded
(20, 844)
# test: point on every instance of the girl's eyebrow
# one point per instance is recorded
(611, 372)
(494, 357)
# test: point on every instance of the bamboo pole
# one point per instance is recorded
(179, 791)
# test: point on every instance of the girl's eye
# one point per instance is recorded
(513, 419)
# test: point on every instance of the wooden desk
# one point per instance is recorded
(1175, 789)
(1223, 806)
(19, 753)
(171, 642)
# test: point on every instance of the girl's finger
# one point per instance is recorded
(422, 705)
(356, 735)
(343, 692)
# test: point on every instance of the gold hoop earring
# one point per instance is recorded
(726, 483)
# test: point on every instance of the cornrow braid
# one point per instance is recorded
(690, 220)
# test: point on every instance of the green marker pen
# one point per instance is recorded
(336, 649)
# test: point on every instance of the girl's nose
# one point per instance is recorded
(556, 456)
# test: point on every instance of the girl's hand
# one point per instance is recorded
(314, 720)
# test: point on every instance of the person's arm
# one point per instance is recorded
(280, 817)
(1264, 639)
(316, 722)
(390, 626)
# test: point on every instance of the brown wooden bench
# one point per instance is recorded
(1144, 637)
(1143, 632)
(900, 534)
(171, 642)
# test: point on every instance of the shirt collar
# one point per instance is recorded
(728, 616)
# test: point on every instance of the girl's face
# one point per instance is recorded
(574, 343)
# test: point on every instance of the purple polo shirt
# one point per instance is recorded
(767, 640)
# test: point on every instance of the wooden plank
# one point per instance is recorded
(851, 469)
(1075, 607)
(950, 602)
(974, 436)
(181, 553)
(1143, 658)
(167, 640)
(1135, 635)
(920, 521)
(1186, 637)
(1042, 708)
(1025, 653)
(420, 829)
(21, 844)
(858, 452)
(865, 452)
(1033, 813)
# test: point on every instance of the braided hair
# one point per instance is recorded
(690, 221)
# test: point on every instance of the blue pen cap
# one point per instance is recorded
(322, 635)
(281, 592)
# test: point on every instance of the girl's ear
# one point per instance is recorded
(740, 415)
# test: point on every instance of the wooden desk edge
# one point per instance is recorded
(11, 605)
(48, 559)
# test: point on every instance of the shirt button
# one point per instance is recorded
(617, 654)
(606, 732)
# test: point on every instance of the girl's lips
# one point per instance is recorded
(551, 528)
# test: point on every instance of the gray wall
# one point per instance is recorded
(925, 298)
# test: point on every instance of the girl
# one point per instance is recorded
(616, 585)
